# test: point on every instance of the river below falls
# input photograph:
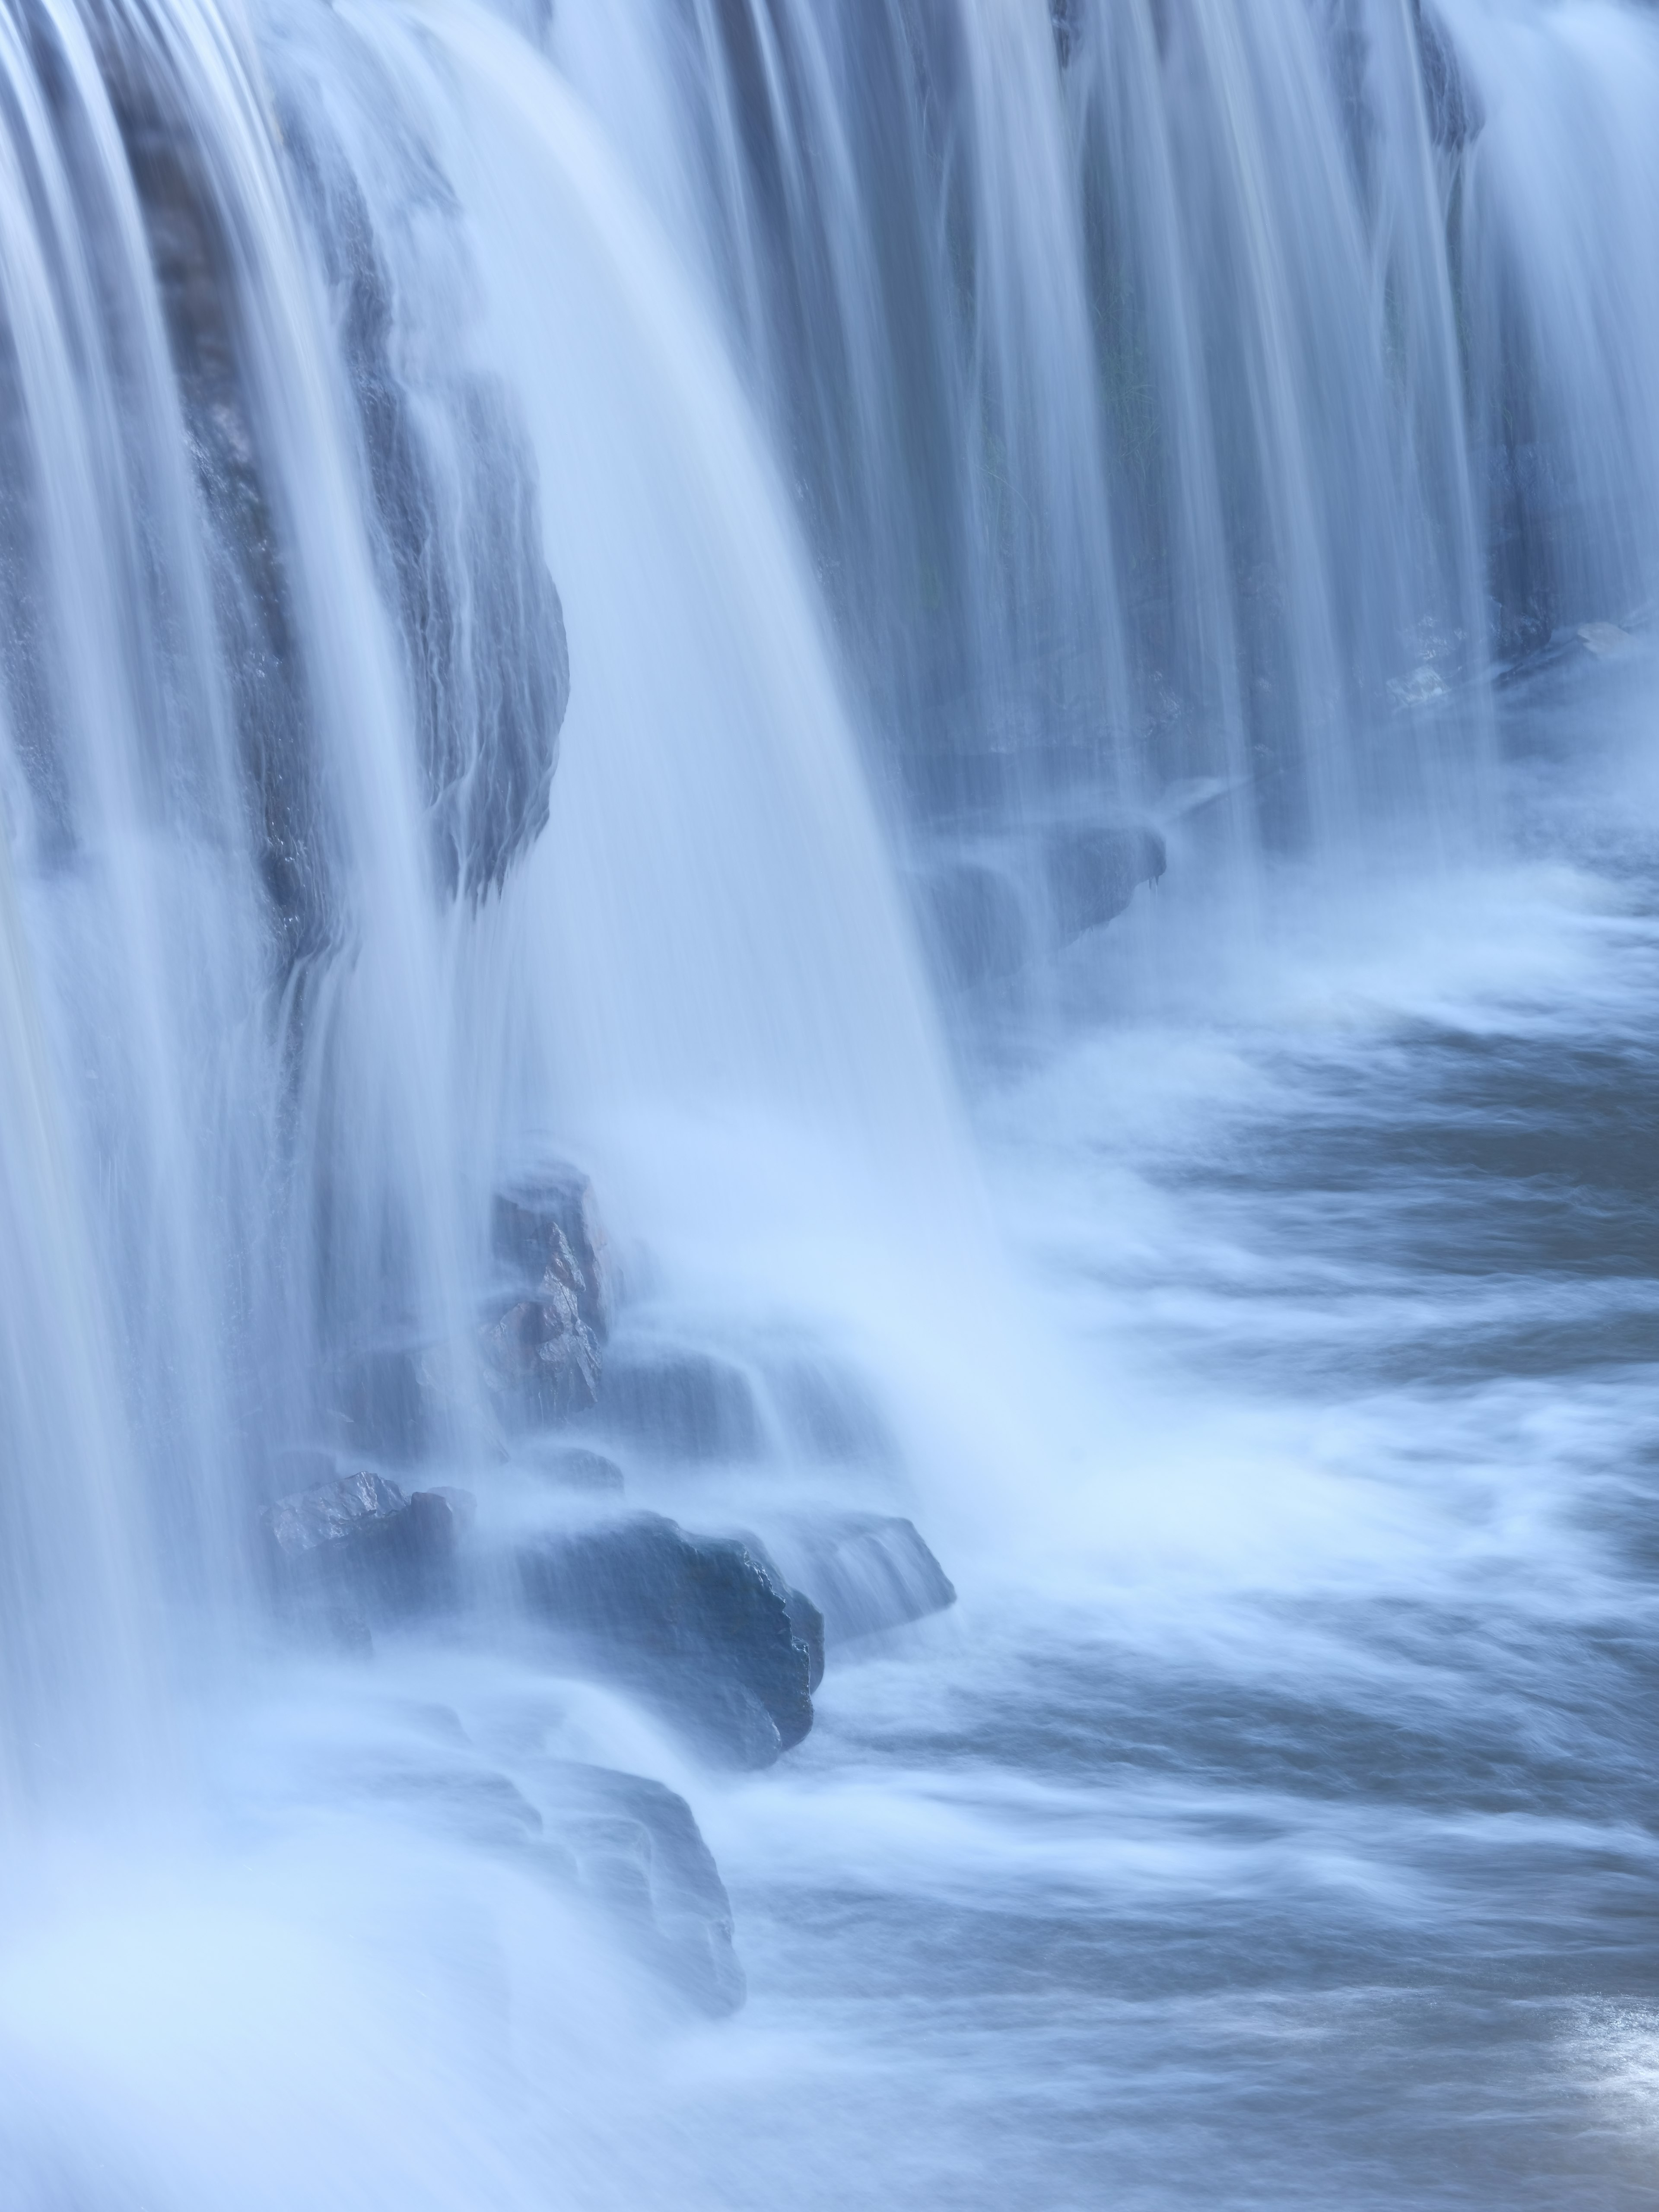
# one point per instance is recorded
(1289, 1836)
(1273, 1821)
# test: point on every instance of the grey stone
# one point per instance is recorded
(865, 1571)
(545, 1231)
(358, 1550)
(1093, 872)
(699, 1626)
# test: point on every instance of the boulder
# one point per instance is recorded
(545, 1231)
(699, 1626)
(638, 1853)
(865, 1572)
(680, 1404)
(806, 1626)
(1093, 872)
(358, 1549)
(539, 1360)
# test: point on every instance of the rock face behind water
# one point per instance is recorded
(698, 1626)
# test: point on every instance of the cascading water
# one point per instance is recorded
(992, 655)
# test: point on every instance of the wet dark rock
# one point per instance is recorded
(680, 1404)
(546, 1235)
(454, 507)
(806, 1626)
(1092, 872)
(865, 1571)
(637, 1851)
(539, 1360)
(698, 1626)
(975, 924)
(359, 1549)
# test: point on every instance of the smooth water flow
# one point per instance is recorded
(807, 799)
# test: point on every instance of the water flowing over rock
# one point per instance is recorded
(637, 1850)
(866, 1572)
(1082, 565)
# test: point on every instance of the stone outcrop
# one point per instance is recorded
(546, 1228)
(866, 1572)
(697, 1627)
(358, 1551)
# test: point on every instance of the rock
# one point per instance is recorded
(574, 1467)
(698, 1626)
(806, 1626)
(680, 1404)
(539, 1360)
(865, 1571)
(545, 1231)
(359, 1549)
(1605, 639)
(975, 924)
(638, 1852)
(1092, 872)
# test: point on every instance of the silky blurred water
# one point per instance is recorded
(946, 427)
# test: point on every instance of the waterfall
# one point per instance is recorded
(637, 581)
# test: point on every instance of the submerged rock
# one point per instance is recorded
(638, 1852)
(1092, 872)
(681, 1404)
(699, 1626)
(866, 1572)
